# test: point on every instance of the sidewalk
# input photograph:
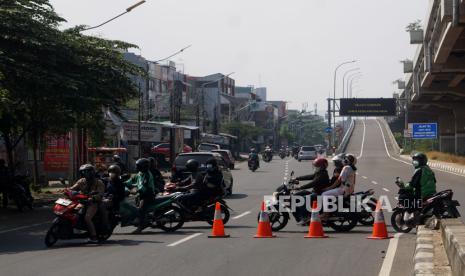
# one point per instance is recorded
(440, 165)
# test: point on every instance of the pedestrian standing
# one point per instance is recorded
(4, 181)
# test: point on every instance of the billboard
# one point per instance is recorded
(56, 156)
(367, 107)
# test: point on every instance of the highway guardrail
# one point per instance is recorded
(345, 140)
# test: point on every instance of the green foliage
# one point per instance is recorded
(245, 132)
(54, 80)
(307, 129)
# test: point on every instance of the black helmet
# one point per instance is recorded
(421, 158)
(116, 158)
(114, 169)
(211, 164)
(192, 165)
(87, 171)
(142, 165)
(350, 159)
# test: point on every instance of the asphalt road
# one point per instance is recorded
(190, 252)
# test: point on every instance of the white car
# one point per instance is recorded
(307, 153)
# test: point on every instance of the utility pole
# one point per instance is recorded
(139, 119)
(329, 123)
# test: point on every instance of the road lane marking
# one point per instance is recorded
(405, 162)
(363, 140)
(23, 227)
(374, 182)
(390, 254)
(184, 240)
(385, 189)
(242, 215)
(364, 177)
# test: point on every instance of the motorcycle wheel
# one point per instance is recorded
(398, 223)
(277, 220)
(344, 225)
(171, 222)
(367, 216)
(52, 235)
(224, 213)
(105, 236)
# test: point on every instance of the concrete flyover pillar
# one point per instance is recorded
(446, 124)
(459, 112)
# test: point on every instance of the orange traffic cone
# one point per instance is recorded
(264, 226)
(218, 226)
(379, 227)
(315, 230)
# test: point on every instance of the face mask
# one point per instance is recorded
(317, 169)
(415, 163)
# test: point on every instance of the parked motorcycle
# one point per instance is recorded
(70, 211)
(339, 221)
(404, 218)
(20, 193)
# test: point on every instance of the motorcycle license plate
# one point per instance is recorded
(64, 202)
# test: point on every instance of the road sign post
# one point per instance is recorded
(424, 130)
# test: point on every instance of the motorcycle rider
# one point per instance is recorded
(253, 156)
(319, 182)
(146, 190)
(206, 185)
(117, 161)
(338, 162)
(115, 187)
(421, 186)
(89, 184)
(345, 183)
(157, 176)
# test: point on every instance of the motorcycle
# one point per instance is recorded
(440, 205)
(339, 221)
(206, 210)
(253, 165)
(20, 193)
(267, 156)
(282, 154)
(70, 212)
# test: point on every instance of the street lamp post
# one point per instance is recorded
(334, 98)
(351, 82)
(349, 78)
(344, 80)
(128, 9)
(72, 142)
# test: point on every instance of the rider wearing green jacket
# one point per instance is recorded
(423, 183)
(145, 186)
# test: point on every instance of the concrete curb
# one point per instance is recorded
(441, 166)
(423, 259)
(453, 237)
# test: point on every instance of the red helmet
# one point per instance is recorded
(320, 163)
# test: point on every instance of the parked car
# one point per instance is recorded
(203, 147)
(164, 148)
(307, 153)
(227, 156)
(179, 171)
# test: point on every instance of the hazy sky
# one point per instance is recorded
(291, 47)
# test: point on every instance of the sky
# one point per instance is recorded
(291, 47)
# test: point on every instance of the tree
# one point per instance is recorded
(244, 132)
(56, 80)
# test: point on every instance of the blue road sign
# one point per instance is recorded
(328, 129)
(425, 131)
